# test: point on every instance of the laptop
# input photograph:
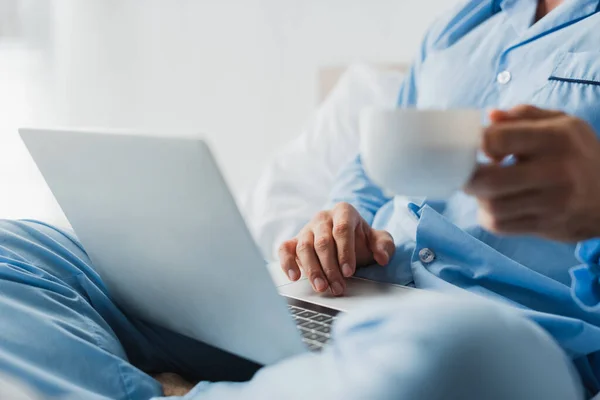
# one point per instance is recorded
(163, 231)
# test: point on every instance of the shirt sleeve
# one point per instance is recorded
(585, 286)
(353, 186)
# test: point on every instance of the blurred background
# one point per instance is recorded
(242, 72)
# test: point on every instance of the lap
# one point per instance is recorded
(428, 347)
(62, 334)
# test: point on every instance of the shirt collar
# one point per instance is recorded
(522, 12)
(497, 5)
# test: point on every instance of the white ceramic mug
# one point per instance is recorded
(421, 153)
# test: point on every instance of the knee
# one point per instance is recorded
(439, 347)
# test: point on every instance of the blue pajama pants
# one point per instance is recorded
(63, 337)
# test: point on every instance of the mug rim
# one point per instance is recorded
(411, 110)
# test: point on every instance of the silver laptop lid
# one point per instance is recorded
(165, 235)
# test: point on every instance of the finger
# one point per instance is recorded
(523, 111)
(310, 262)
(382, 246)
(344, 228)
(523, 138)
(287, 259)
(327, 254)
(533, 202)
(494, 181)
(173, 384)
(526, 224)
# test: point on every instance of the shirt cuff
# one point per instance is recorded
(585, 287)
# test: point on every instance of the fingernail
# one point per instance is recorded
(337, 288)
(292, 274)
(385, 253)
(319, 284)
(346, 270)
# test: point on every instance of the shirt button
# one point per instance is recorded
(426, 256)
(504, 77)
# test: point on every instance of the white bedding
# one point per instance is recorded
(296, 183)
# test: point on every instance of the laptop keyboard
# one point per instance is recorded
(314, 327)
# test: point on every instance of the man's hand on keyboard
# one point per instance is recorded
(332, 246)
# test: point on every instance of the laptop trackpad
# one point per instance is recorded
(358, 291)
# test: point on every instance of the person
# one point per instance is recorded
(536, 336)
(517, 230)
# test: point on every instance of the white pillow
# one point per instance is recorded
(296, 183)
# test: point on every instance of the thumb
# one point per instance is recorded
(523, 111)
(497, 116)
(382, 246)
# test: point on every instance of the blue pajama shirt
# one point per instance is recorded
(484, 54)
(489, 55)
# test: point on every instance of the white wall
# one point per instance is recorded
(22, 101)
(241, 71)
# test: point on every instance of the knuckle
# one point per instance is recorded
(584, 127)
(570, 127)
(387, 237)
(524, 109)
(382, 237)
(342, 229)
(345, 259)
(343, 206)
(323, 227)
(330, 270)
(323, 243)
(572, 121)
(313, 273)
(322, 216)
(332, 273)
(283, 248)
(304, 246)
(584, 132)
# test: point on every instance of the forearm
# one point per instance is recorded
(355, 188)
